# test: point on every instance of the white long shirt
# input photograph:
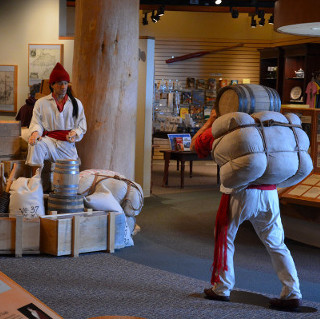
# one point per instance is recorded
(46, 117)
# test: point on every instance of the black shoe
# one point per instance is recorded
(285, 304)
(210, 294)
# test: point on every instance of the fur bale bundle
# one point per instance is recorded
(261, 148)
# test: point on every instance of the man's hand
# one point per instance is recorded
(35, 136)
(71, 137)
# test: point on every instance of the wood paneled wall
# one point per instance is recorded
(233, 64)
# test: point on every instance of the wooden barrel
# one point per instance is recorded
(247, 98)
(66, 177)
(65, 204)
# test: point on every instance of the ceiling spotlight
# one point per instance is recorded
(261, 22)
(154, 18)
(234, 13)
(253, 22)
(218, 1)
(261, 14)
(145, 19)
(160, 11)
(271, 19)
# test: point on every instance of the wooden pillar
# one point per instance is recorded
(105, 79)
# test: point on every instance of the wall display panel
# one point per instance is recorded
(237, 63)
(41, 60)
(8, 88)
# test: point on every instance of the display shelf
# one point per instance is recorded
(269, 67)
(176, 109)
(288, 60)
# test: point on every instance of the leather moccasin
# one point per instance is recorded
(210, 294)
(285, 304)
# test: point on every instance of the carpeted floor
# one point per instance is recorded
(99, 284)
(163, 275)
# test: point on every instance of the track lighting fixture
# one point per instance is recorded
(160, 11)
(145, 19)
(261, 14)
(271, 19)
(234, 13)
(253, 22)
(154, 18)
(261, 22)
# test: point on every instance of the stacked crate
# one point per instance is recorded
(10, 132)
(159, 144)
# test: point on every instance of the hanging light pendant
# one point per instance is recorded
(298, 17)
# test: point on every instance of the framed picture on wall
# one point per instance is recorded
(41, 60)
(8, 88)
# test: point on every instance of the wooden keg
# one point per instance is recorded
(66, 177)
(65, 204)
(247, 98)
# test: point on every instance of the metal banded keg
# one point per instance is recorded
(65, 204)
(247, 98)
(66, 177)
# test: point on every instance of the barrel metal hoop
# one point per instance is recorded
(69, 172)
(57, 204)
(278, 100)
(220, 92)
(271, 98)
(68, 162)
(252, 98)
(242, 97)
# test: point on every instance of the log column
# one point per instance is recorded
(105, 79)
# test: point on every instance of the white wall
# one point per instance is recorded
(144, 116)
(24, 22)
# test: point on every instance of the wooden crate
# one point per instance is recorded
(19, 236)
(159, 144)
(75, 233)
(10, 132)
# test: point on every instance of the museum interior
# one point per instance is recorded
(136, 237)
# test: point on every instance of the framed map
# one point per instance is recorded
(8, 88)
(41, 60)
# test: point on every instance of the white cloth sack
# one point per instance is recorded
(102, 201)
(122, 232)
(26, 197)
(113, 194)
(130, 197)
(249, 154)
(133, 202)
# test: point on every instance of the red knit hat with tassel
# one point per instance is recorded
(59, 74)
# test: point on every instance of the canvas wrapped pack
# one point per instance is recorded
(261, 148)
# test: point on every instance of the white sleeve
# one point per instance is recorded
(80, 123)
(36, 121)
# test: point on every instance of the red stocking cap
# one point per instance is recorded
(59, 74)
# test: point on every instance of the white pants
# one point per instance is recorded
(261, 208)
(50, 149)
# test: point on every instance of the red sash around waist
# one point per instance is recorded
(60, 135)
(263, 187)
